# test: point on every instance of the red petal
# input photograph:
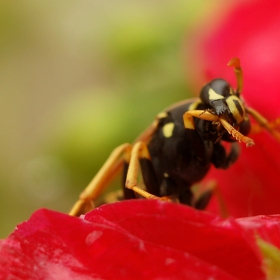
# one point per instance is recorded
(118, 241)
(186, 229)
(267, 227)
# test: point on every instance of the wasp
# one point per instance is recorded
(178, 148)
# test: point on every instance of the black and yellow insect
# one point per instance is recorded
(179, 147)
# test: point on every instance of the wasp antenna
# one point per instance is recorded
(235, 62)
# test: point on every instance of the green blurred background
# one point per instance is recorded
(79, 78)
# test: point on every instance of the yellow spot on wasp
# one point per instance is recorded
(213, 95)
(194, 105)
(168, 130)
(162, 115)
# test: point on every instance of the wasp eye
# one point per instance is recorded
(221, 87)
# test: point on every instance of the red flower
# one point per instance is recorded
(251, 32)
(141, 239)
(148, 239)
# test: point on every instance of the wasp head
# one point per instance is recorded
(220, 99)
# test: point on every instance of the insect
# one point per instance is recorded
(179, 147)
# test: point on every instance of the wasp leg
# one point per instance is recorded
(107, 172)
(205, 115)
(112, 196)
(127, 193)
(236, 134)
(139, 152)
(203, 195)
(149, 178)
(264, 123)
(220, 159)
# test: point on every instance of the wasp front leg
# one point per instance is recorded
(205, 115)
(221, 159)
